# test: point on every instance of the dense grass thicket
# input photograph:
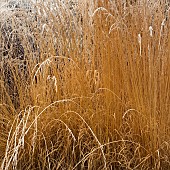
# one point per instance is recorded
(85, 85)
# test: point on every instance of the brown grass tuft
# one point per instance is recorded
(85, 85)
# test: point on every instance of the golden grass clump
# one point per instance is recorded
(85, 85)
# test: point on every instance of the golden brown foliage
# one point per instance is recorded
(85, 86)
